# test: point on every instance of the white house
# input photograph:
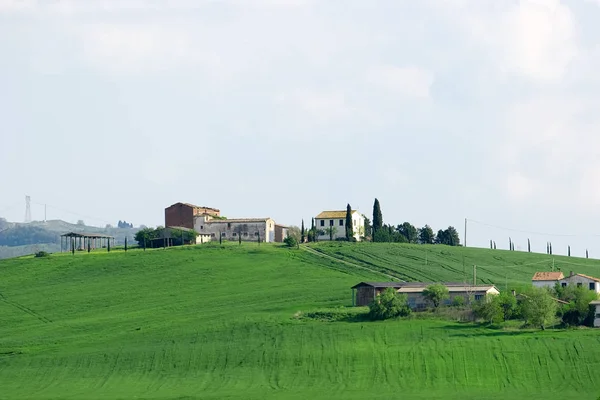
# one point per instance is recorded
(546, 279)
(249, 229)
(337, 220)
(596, 303)
(581, 280)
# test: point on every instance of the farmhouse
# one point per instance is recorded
(367, 291)
(581, 281)
(183, 214)
(248, 229)
(546, 279)
(596, 304)
(336, 221)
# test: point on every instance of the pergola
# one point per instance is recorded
(81, 240)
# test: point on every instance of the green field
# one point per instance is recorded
(208, 322)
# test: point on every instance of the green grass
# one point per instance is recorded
(208, 322)
(455, 264)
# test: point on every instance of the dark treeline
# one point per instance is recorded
(124, 224)
(407, 232)
(21, 235)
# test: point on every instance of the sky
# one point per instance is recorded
(442, 109)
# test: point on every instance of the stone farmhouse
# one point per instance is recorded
(365, 292)
(549, 279)
(210, 225)
(337, 220)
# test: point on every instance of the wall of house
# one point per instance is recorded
(280, 233)
(365, 295)
(539, 284)
(230, 230)
(358, 225)
(417, 301)
(585, 282)
(179, 215)
(597, 317)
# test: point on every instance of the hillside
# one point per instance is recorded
(217, 322)
(454, 264)
(18, 239)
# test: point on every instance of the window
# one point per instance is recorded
(234, 234)
(478, 297)
(223, 234)
(597, 315)
(592, 285)
(322, 223)
(578, 284)
(330, 222)
(201, 227)
(563, 284)
(245, 234)
(256, 233)
(212, 235)
(341, 222)
(229, 225)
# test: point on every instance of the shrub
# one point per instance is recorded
(42, 254)
(389, 304)
(489, 311)
(538, 308)
(291, 241)
(436, 293)
(458, 301)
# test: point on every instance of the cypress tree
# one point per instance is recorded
(125, 243)
(587, 254)
(377, 219)
(491, 244)
(509, 244)
(313, 230)
(494, 245)
(349, 227)
(550, 248)
(528, 246)
(569, 251)
(302, 232)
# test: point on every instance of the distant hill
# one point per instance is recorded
(18, 239)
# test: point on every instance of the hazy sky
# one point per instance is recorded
(443, 109)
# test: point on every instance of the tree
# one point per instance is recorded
(587, 255)
(426, 235)
(436, 293)
(389, 304)
(490, 311)
(377, 218)
(409, 232)
(290, 241)
(295, 232)
(578, 310)
(312, 233)
(494, 245)
(440, 237)
(528, 246)
(507, 303)
(302, 233)
(569, 251)
(349, 226)
(538, 307)
(331, 231)
(368, 227)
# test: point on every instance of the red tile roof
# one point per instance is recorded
(547, 276)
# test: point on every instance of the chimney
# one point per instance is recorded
(514, 293)
(571, 274)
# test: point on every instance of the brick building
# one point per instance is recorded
(183, 214)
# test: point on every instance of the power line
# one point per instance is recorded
(73, 213)
(530, 232)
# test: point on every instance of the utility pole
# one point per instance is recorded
(474, 274)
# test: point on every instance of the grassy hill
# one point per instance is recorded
(454, 264)
(211, 322)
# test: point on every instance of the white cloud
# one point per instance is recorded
(536, 39)
(408, 81)
(324, 105)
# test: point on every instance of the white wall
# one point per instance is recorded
(549, 284)
(358, 225)
(229, 230)
(597, 317)
(575, 279)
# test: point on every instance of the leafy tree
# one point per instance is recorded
(538, 307)
(349, 227)
(409, 232)
(368, 227)
(377, 219)
(290, 241)
(507, 303)
(331, 231)
(302, 233)
(458, 301)
(426, 235)
(295, 232)
(579, 298)
(389, 304)
(490, 311)
(436, 293)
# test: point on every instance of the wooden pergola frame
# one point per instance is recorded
(81, 240)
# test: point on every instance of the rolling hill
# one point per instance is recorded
(218, 322)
